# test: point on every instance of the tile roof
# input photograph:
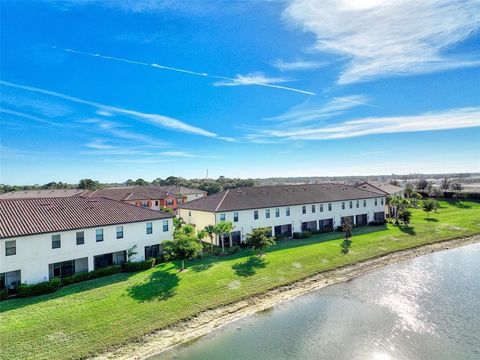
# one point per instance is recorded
(381, 188)
(143, 192)
(22, 217)
(48, 193)
(280, 195)
(182, 190)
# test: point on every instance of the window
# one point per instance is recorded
(343, 205)
(364, 203)
(287, 211)
(235, 216)
(358, 203)
(222, 217)
(313, 209)
(99, 235)
(267, 213)
(376, 202)
(156, 202)
(10, 247)
(189, 213)
(255, 215)
(304, 209)
(119, 232)
(321, 207)
(329, 206)
(169, 202)
(80, 237)
(149, 228)
(277, 212)
(144, 204)
(56, 243)
(350, 204)
(165, 225)
(381, 201)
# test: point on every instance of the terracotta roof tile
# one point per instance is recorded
(279, 195)
(34, 216)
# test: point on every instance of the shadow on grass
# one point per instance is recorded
(17, 303)
(345, 246)
(460, 205)
(408, 230)
(248, 267)
(200, 267)
(431, 219)
(160, 285)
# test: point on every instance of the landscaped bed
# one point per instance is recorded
(86, 318)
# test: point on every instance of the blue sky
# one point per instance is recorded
(117, 90)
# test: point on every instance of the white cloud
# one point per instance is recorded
(389, 37)
(178, 154)
(99, 144)
(298, 65)
(159, 120)
(309, 112)
(29, 117)
(250, 79)
(431, 121)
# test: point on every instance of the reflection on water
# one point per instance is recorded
(426, 308)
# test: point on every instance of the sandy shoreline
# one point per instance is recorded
(208, 321)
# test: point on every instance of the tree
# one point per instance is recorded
(427, 206)
(445, 184)
(210, 231)
(88, 184)
(347, 228)
(422, 185)
(129, 182)
(131, 252)
(394, 182)
(405, 217)
(409, 190)
(259, 239)
(183, 247)
(222, 228)
(200, 236)
(455, 186)
(166, 210)
(415, 197)
(178, 222)
(435, 193)
(141, 182)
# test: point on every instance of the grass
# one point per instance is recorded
(83, 319)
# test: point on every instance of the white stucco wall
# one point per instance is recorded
(191, 197)
(34, 253)
(246, 221)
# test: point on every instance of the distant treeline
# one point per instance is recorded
(209, 185)
(223, 183)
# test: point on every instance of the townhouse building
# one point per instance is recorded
(285, 209)
(42, 238)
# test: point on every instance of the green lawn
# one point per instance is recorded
(85, 318)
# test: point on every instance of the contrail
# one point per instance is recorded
(163, 67)
(353, 101)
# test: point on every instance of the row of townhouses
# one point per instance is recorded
(72, 231)
(56, 237)
(286, 209)
(152, 197)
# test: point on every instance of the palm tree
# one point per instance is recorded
(200, 235)
(222, 228)
(394, 202)
(210, 231)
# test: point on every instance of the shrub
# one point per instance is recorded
(339, 228)
(306, 234)
(139, 265)
(3, 294)
(109, 270)
(376, 223)
(45, 287)
(297, 235)
(233, 250)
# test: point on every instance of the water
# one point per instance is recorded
(426, 308)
